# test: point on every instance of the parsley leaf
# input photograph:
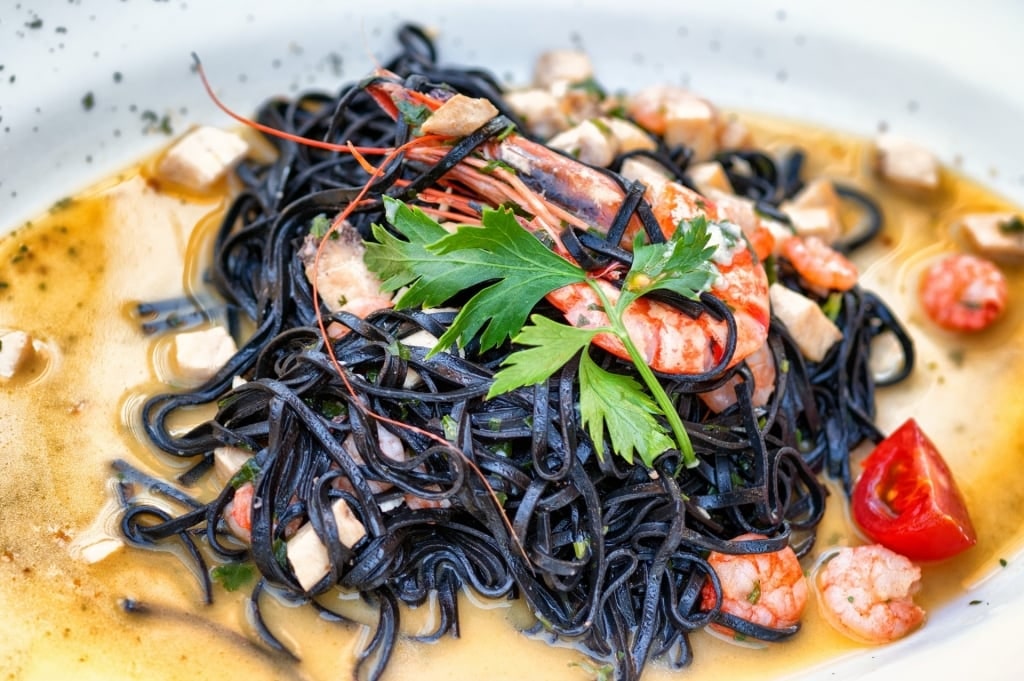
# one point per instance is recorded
(521, 268)
(233, 576)
(618, 403)
(552, 346)
(682, 264)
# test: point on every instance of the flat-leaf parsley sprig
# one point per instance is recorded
(433, 265)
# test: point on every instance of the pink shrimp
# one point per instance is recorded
(866, 593)
(963, 292)
(819, 264)
(558, 191)
(762, 367)
(238, 512)
(764, 588)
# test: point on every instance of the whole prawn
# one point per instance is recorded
(557, 190)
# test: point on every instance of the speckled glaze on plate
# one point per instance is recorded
(87, 88)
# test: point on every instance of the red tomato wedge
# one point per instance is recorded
(907, 500)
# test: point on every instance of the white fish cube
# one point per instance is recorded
(586, 142)
(308, 555)
(200, 354)
(813, 332)
(16, 349)
(996, 235)
(459, 116)
(626, 136)
(709, 176)
(904, 163)
(540, 111)
(556, 67)
(202, 157)
(639, 169)
(229, 460)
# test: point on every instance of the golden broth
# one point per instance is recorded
(71, 278)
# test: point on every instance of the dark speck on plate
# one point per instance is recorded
(35, 23)
(88, 101)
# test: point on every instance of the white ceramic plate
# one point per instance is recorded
(946, 76)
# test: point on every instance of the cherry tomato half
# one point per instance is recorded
(907, 500)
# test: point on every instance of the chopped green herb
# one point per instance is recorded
(62, 204)
(495, 164)
(517, 210)
(591, 87)
(601, 126)
(247, 473)
(1002, 562)
(414, 115)
(1014, 225)
(34, 24)
(508, 130)
(849, 599)
(399, 350)
(233, 576)
(755, 593)
(332, 409)
(319, 226)
(88, 101)
(833, 305)
(280, 552)
(975, 602)
(605, 672)
(450, 427)
(581, 548)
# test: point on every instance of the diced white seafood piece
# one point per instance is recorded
(587, 143)
(229, 460)
(99, 548)
(639, 169)
(343, 280)
(905, 163)
(307, 554)
(562, 66)
(814, 211)
(813, 332)
(682, 117)
(693, 122)
(626, 136)
(734, 134)
(202, 157)
(16, 349)
(459, 116)
(200, 354)
(540, 111)
(709, 176)
(999, 236)
(419, 339)
(819, 222)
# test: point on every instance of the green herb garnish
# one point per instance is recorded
(319, 226)
(517, 271)
(1012, 226)
(247, 473)
(414, 115)
(233, 576)
(833, 305)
